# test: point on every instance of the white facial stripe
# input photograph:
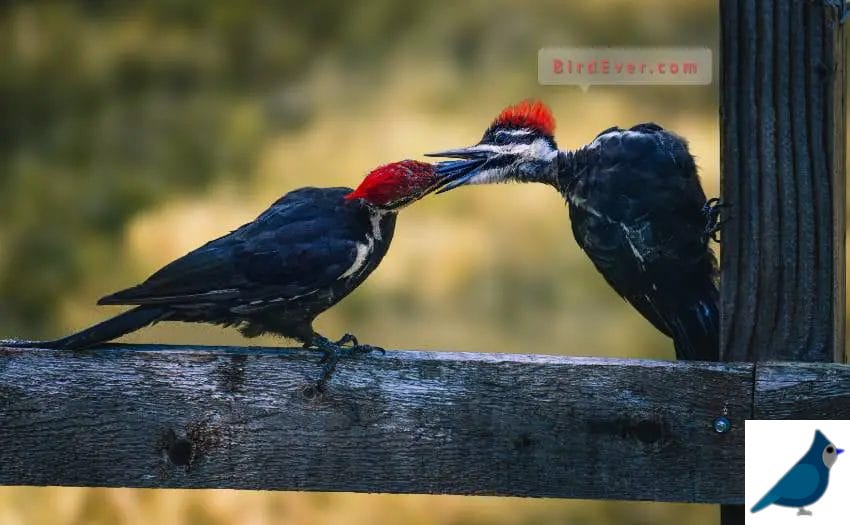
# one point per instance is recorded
(515, 132)
(489, 148)
(375, 219)
(539, 149)
(488, 176)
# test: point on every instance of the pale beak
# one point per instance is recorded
(456, 173)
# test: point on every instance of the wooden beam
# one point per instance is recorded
(783, 137)
(411, 422)
(802, 391)
(782, 171)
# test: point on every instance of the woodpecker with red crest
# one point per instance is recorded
(636, 208)
(274, 275)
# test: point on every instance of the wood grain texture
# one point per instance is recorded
(802, 391)
(782, 142)
(408, 422)
(782, 172)
(836, 125)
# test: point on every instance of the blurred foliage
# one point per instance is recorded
(131, 132)
(109, 107)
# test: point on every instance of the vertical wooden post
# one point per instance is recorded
(782, 134)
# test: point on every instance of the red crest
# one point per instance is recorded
(528, 114)
(391, 182)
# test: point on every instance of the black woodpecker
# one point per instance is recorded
(636, 208)
(274, 275)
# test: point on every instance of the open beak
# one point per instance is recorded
(455, 173)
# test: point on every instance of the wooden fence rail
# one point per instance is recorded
(407, 422)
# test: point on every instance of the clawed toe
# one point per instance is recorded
(367, 349)
(714, 203)
(334, 351)
(713, 223)
(347, 338)
(710, 203)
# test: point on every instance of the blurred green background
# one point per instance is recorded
(132, 132)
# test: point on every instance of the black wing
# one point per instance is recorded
(607, 246)
(297, 246)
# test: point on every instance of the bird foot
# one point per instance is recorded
(713, 223)
(335, 350)
(356, 347)
(804, 512)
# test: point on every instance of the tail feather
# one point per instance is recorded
(102, 332)
(696, 327)
(767, 500)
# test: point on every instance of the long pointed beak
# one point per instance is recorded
(838, 451)
(456, 173)
(461, 153)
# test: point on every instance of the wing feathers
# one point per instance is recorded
(303, 243)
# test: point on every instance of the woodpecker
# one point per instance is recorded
(274, 275)
(636, 207)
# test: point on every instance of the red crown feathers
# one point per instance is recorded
(528, 114)
(391, 181)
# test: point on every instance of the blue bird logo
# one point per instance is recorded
(806, 482)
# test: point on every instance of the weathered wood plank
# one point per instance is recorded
(782, 172)
(411, 422)
(802, 391)
(782, 142)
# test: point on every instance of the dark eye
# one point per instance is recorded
(830, 450)
(501, 139)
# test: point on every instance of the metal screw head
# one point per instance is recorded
(722, 425)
